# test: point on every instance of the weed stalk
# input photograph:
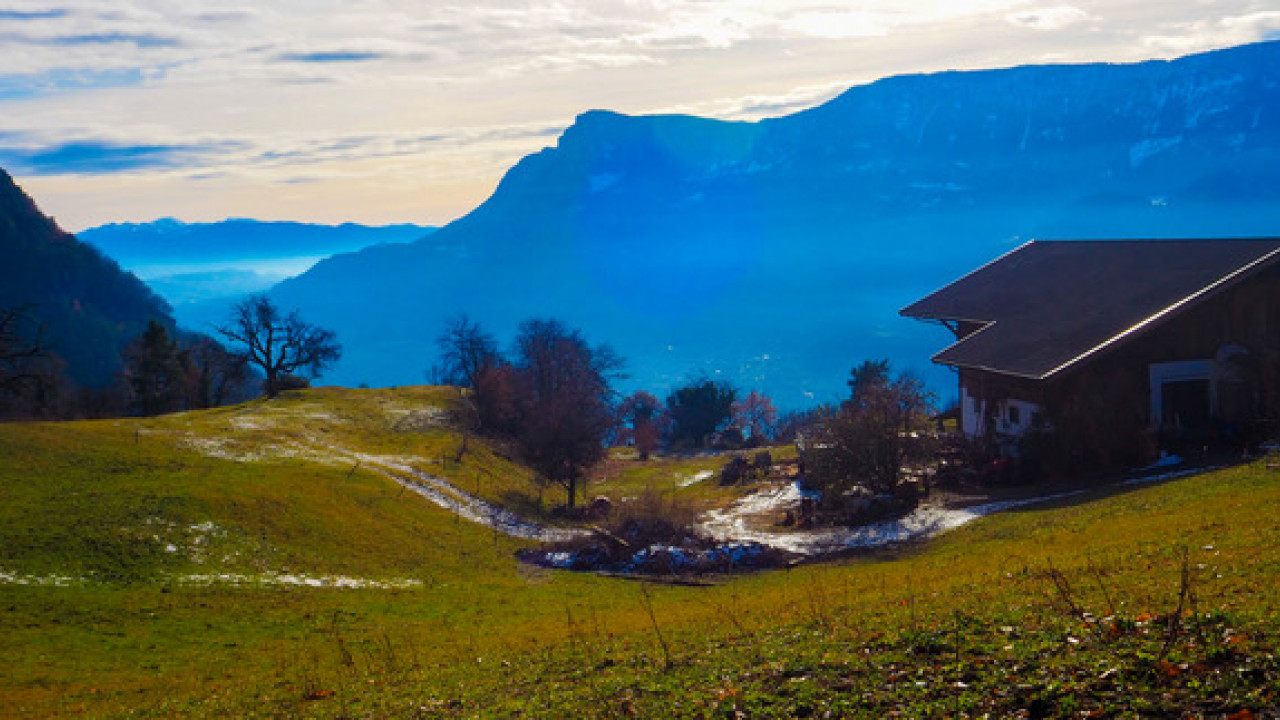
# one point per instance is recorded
(648, 606)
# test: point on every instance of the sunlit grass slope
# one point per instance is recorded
(111, 533)
(255, 488)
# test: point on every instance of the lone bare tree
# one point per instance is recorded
(563, 400)
(466, 352)
(281, 345)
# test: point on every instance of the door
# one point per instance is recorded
(1186, 404)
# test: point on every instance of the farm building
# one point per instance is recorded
(1109, 352)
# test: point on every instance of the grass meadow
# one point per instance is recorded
(250, 561)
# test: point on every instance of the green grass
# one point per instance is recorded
(691, 481)
(1060, 610)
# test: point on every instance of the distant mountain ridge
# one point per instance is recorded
(202, 268)
(171, 241)
(90, 308)
(776, 253)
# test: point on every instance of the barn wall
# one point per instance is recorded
(1101, 410)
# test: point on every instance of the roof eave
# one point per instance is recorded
(986, 368)
(1155, 319)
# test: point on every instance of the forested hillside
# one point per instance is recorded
(88, 307)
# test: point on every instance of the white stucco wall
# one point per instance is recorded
(1013, 417)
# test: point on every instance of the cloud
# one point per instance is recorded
(96, 157)
(309, 151)
(1187, 37)
(220, 16)
(574, 62)
(33, 14)
(28, 86)
(1060, 17)
(839, 24)
(140, 40)
(1259, 25)
(332, 56)
(758, 107)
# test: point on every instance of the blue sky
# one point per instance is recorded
(383, 111)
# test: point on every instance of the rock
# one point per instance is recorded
(734, 471)
(600, 508)
(763, 460)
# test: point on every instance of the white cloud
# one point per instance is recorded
(1052, 18)
(1176, 38)
(758, 107)
(839, 24)
(1253, 25)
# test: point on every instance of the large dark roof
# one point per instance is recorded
(1050, 304)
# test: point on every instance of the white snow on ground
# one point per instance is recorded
(925, 521)
(266, 579)
(437, 490)
(695, 478)
(248, 450)
(451, 498)
(8, 578)
(285, 579)
(730, 524)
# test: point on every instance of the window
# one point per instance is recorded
(1014, 414)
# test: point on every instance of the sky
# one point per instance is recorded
(389, 111)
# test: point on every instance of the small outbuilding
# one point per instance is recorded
(1103, 353)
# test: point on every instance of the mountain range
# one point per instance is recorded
(192, 263)
(775, 254)
(172, 242)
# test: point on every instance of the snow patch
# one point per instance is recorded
(461, 503)
(266, 579)
(695, 478)
(245, 450)
(270, 579)
(923, 522)
(8, 578)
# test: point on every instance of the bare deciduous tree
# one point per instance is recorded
(281, 345)
(466, 351)
(755, 418)
(563, 398)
